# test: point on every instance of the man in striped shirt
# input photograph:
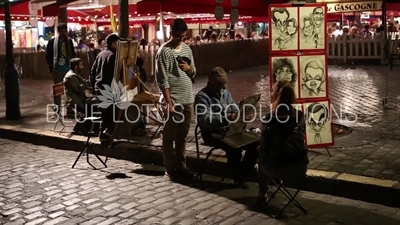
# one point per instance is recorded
(175, 70)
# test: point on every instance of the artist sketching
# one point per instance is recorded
(215, 109)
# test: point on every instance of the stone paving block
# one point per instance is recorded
(151, 221)
(146, 206)
(32, 210)
(129, 213)
(147, 214)
(37, 221)
(17, 222)
(232, 220)
(110, 221)
(96, 220)
(129, 205)
(56, 221)
(11, 211)
(56, 214)
(126, 222)
(187, 222)
(205, 214)
(170, 221)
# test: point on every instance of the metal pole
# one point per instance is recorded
(385, 31)
(11, 81)
(123, 21)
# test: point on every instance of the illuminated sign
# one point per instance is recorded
(354, 6)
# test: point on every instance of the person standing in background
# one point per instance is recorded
(102, 73)
(174, 72)
(59, 51)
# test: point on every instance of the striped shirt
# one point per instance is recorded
(169, 75)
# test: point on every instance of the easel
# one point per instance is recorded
(125, 60)
(147, 97)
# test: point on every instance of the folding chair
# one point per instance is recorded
(199, 174)
(88, 146)
(279, 183)
(58, 90)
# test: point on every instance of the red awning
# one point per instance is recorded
(54, 9)
(106, 10)
(393, 6)
(23, 8)
(82, 13)
(245, 7)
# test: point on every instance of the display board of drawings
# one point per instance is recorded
(298, 55)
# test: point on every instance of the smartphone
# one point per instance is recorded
(179, 59)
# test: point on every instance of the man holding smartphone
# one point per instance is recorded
(174, 72)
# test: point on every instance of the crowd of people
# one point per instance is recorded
(367, 30)
(279, 150)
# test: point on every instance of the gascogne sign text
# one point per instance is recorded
(354, 6)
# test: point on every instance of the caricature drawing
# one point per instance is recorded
(317, 118)
(313, 83)
(312, 32)
(318, 20)
(284, 70)
(284, 29)
(307, 31)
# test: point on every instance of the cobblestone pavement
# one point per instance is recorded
(373, 150)
(38, 187)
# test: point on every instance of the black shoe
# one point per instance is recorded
(240, 184)
(186, 174)
(105, 137)
(262, 200)
(173, 176)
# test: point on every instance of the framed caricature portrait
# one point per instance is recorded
(318, 124)
(296, 29)
(285, 68)
(312, 27)
(313, 80)
(284, 28)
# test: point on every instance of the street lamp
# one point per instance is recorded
(11, 81)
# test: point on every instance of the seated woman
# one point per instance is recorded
(283, 151)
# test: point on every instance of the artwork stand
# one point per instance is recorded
(126, 57)
(298, 43)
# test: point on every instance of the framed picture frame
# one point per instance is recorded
(318, 119)
(285, 68)
(295, 29)
(313, 77)
(283, 32)
(308, 74)
(312, 27)
(125, 59)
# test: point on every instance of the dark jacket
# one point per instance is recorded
(210, 109)
(102, 72)
(283, 141)
(75, 87)
(50, 57)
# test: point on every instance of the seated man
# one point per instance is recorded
(208, 104)
(75, 87)
(77, 100)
